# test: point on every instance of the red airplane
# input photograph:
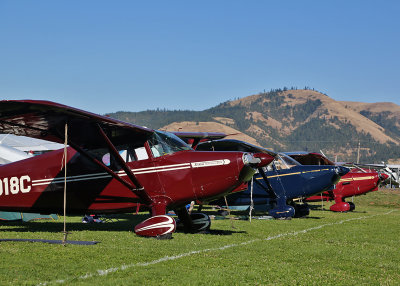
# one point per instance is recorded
(113, 166)
(357, 182)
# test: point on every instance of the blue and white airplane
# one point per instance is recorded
(277, 186)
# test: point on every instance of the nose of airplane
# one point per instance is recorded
(265, 159)
(251, 163)
(383, 176)
(341, 171)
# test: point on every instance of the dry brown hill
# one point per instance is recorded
(373, 107)
(377, 107)
(345, 113)
(289, 120)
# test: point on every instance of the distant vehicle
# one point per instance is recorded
(358, 181)
(112, 166)
(279, 184)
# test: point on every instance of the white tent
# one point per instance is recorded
(27, 144)
(9, 154)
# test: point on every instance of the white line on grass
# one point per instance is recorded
(168, 258)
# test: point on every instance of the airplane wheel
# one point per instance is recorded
(301, 210)
(200, 222)
(352, 206)
(194, 222)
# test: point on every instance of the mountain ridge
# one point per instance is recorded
(287, 120)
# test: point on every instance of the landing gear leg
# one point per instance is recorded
(282, 210)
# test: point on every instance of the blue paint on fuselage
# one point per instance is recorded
(287, 179)
(296, 182)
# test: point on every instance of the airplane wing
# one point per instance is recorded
(200, 135)
(46, 120)
(233, 145)
(307, 158)
(86, 132)
(194, 138)
(373, 166)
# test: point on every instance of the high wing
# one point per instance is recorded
(200, 135)
(46, 120)
(378, 166)
(393, 171)
(194, 138)
(86, 132)
(309, 158)
(233, 145)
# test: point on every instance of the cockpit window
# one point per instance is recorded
(283, 162)
(127, 152)
(163, 143)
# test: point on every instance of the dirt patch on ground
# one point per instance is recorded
(225, 120)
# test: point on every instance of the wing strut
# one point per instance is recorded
(139, 190)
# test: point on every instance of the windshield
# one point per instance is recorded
(285, 162)
(163, 143)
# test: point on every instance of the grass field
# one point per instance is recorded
(357, 248)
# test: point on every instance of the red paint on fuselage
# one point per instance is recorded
(170, 180)
(354, 183)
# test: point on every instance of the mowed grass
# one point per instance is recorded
(355, 248)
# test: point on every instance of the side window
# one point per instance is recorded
(127, 154)
(157, 150)
(141, 153)
(106, 159)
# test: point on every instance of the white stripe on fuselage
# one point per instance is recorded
(138, 171)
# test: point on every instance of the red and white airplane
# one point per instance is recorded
(356, 182)
(113, 166)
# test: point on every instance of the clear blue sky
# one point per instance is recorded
(106, 56)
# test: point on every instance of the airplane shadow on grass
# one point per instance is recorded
(120, 222)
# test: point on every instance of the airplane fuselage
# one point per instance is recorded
(354, 183)
(37, 184)
(296, 182)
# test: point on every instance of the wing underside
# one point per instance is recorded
(46, 120)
